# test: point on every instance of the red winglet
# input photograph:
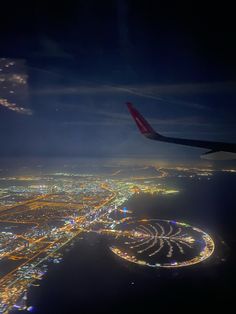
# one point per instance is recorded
(144, 127)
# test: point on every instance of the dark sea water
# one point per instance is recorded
(91, 279)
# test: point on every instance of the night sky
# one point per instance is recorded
(83, 60)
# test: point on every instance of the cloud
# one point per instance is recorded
(167, 126)
(190, 88)
(168, 93)
(51, 49)
(119, 119)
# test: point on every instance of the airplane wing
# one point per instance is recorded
(214, 147)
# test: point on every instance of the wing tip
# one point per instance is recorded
(129, 105)
(144, 127)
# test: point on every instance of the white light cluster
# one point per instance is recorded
(12, 106)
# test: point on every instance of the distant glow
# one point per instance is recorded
(30, 309)
(18, 79)
(16, 306)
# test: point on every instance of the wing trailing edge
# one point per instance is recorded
(215, 147)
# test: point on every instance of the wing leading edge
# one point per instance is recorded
(214, 147)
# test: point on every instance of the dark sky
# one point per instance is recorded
(83, 60)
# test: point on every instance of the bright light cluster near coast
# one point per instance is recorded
(162, 243)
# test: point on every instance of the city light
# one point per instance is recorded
(40, 215)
